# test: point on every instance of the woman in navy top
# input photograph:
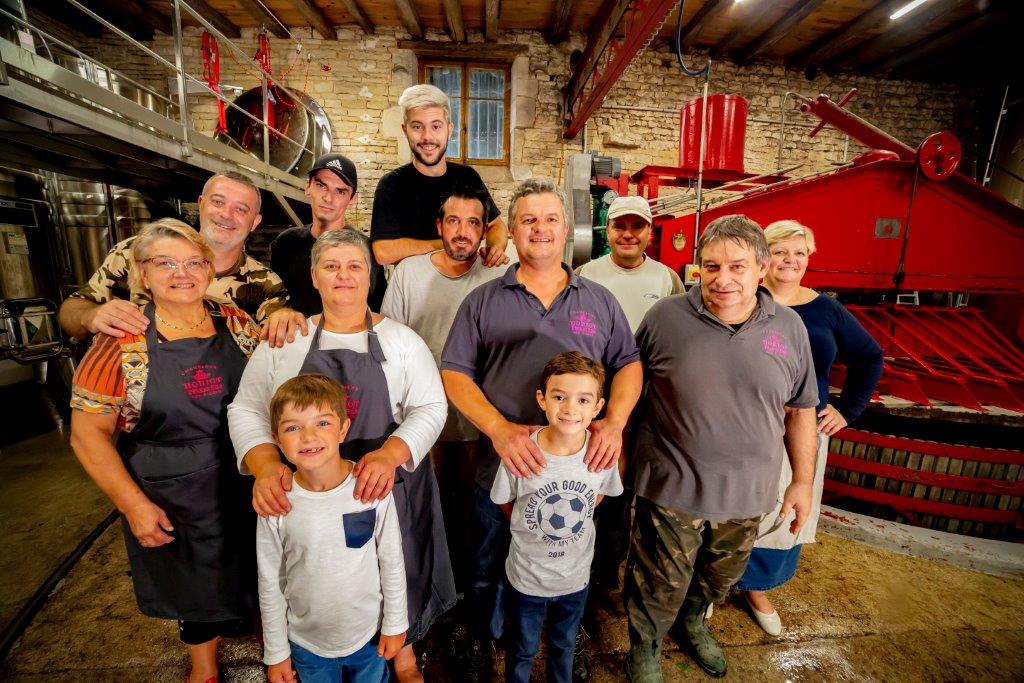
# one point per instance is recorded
(833, 333)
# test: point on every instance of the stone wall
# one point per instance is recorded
(358, 78)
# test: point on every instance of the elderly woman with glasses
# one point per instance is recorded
(149, 426)
(397, 406)
(834, 335)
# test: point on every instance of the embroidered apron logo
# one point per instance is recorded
(774, 344)
(201, 381)
(559, 510)
(582, 323)
(351, 401)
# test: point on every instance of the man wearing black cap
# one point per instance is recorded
(331, 188)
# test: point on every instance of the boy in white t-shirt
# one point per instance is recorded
(331, 571)
(548, 565)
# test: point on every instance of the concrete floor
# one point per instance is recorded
(853, 612)
(47, 506)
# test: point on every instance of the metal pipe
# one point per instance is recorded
(179, 57)
(986, 178)
(700, 160)
(265, 108)
(658, 205)
(675, 112)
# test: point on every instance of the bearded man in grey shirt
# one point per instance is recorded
(425, 292)
(730, 389)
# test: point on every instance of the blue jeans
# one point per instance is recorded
(487, 589)
(528, 614)
(362, 666)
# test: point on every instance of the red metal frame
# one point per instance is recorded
(650, 179)
(908, 506)
(854, 126)
(939, 347)
(586, 93)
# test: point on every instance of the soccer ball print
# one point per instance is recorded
(561, 515)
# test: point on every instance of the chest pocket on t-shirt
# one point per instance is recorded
(359, 527)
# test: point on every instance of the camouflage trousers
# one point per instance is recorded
(668, 549)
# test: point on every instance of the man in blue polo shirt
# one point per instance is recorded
(504, 333)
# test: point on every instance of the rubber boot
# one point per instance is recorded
(643, 664)
(701, 644)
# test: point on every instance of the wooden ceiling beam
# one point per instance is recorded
(708, 11)
(892, 37)
(149, 16)
(219, 21)
(747, 16)
(359, 15)
(410, 19)
(558, 26)
(779, 30)
(836, 40)
(943, 39)
(316, 18)
(258, 11)
(492, 16)
(453, 17)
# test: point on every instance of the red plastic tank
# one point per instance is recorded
(726, 137)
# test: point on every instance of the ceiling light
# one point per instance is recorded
(906, 9)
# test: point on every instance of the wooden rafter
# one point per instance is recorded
(453, 17)
(258, 11)
(558, 26)
(316, 18)
(779, 30)
(410, 19)
(492, 19)
(943, 39)
(219, 21)
(894, 37)
(353, 8)
(749, 15)
(708, 11)
(834, 41)
(153, 18)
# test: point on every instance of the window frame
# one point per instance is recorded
(465, 65)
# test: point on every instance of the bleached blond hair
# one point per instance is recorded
(422, 96)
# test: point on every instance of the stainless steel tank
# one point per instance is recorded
(303, 130)
(90, 228)
(22, 245)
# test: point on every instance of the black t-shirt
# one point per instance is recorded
(406, 201)
(290, 258)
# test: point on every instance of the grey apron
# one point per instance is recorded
(180, 456)
(430, 584)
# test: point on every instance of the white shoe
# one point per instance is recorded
(771, 623)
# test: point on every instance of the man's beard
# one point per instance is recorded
(420, 158)
(449, 249)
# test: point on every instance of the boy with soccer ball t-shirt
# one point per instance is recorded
(552, 524)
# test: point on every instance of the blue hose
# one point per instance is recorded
(679, 48)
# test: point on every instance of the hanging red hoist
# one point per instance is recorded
(211, 72)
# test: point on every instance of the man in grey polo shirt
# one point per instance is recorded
(424, 293)
(730, 389)
(504, 333)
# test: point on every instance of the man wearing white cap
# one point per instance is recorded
(636, 280)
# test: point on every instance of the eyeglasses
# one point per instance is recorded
(169, 265)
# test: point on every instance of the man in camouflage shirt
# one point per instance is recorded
(229, 209)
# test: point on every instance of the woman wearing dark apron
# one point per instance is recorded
(164, 394)
(397, 407)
